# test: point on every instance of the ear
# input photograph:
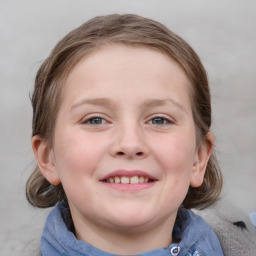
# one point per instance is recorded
(201, 159)
(45, 160)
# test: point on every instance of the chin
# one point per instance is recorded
(131, 219)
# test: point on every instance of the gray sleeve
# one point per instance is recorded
(232, 226)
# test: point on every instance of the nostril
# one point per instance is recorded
(120, 153)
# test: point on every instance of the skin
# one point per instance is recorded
(140, 99)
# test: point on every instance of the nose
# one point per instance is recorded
(129, 143)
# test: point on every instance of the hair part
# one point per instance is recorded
(129, 30)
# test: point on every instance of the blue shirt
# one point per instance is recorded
(196, 237)
(253, 218)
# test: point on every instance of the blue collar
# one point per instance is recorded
(197, 238)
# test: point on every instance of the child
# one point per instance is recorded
(121, 135)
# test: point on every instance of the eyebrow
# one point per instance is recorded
(146, 104)
(93, 101)
(163, 102)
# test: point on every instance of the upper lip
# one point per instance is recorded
(128, 173)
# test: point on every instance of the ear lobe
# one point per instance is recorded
(45, 160)
(201, 159)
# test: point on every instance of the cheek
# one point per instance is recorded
(176, 157)
(77, 158)
(175, 153)
(77, 155)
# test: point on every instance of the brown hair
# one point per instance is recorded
(130, 30)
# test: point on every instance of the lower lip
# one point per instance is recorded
(129, 187)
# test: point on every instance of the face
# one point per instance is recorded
(124, 145)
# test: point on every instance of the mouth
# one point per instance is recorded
(129, 180)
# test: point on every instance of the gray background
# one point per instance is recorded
(221, 32)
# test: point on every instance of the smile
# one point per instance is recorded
(128, 180)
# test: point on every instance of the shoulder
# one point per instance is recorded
(233, 227)
(195, 236)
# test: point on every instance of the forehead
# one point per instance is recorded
(119, 56)
(116, 65)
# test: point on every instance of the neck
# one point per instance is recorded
(126, 241)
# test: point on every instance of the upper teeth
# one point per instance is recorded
(128, 180)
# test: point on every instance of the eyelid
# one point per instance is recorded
(92, 116)
(164, 116)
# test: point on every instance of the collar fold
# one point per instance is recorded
(196, 237)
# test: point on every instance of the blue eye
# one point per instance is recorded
(159, 121)
(95, 121)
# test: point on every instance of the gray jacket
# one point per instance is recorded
(233, 227)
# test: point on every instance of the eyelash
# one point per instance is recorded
(101, 121)
(165, 120)
(89, 120)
